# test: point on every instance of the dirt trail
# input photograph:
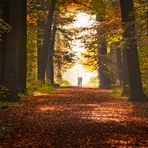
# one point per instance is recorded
(76, 118)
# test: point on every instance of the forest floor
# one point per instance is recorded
(75, 118)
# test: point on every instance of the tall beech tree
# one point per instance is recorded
(41, 33)
(128, 23)
(14, 44)
(125, 85)
(22, 55)
(38, 14)
(2, 51)
(119, 65)
(50, 61)
(102, 44)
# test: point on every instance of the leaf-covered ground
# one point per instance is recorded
(75, 118)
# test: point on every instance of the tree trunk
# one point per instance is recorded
(2, 51)
(1, 62)
(128, 19)
(41, 35)
(125, 91)
(103, 75)
(15, 47)
(22, 58)
(102, 47)
(50, 62)
(46, 45)
(119, 65)
(59, 73)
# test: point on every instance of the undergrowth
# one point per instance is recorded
(39, 86)
(6, 103)
(63, 82)
(145, 89)
(5, 130)
(4, 93)
(117, 92)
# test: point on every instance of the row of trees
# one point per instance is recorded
(46, 51)
(52, 53)
(27, 50)
(115, 43)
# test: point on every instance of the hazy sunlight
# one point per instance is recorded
(82, 20)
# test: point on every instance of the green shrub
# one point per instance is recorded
(145, 89)
(4, 93)
(93, 82)
(143, 54)
(5, 130)
(39, 86)
(62, 82)
(117, 91)
(7, 104)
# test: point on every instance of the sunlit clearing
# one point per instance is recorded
(78, 71)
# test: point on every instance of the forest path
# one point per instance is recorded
(76, 118)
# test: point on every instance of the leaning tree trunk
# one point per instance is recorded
(50, 61)
(15, 47)
(128, 20)
(46, 45)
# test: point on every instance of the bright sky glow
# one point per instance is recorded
(82, 20)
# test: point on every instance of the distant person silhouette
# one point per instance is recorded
(79, 81)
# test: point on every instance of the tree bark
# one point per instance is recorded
(2, 51)
(119, 65)
(102, 47)
(59, 71)
(125, 91)
(22, 58)
(50, 62)
(103, 75)
(41, 35)
(128, 21)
